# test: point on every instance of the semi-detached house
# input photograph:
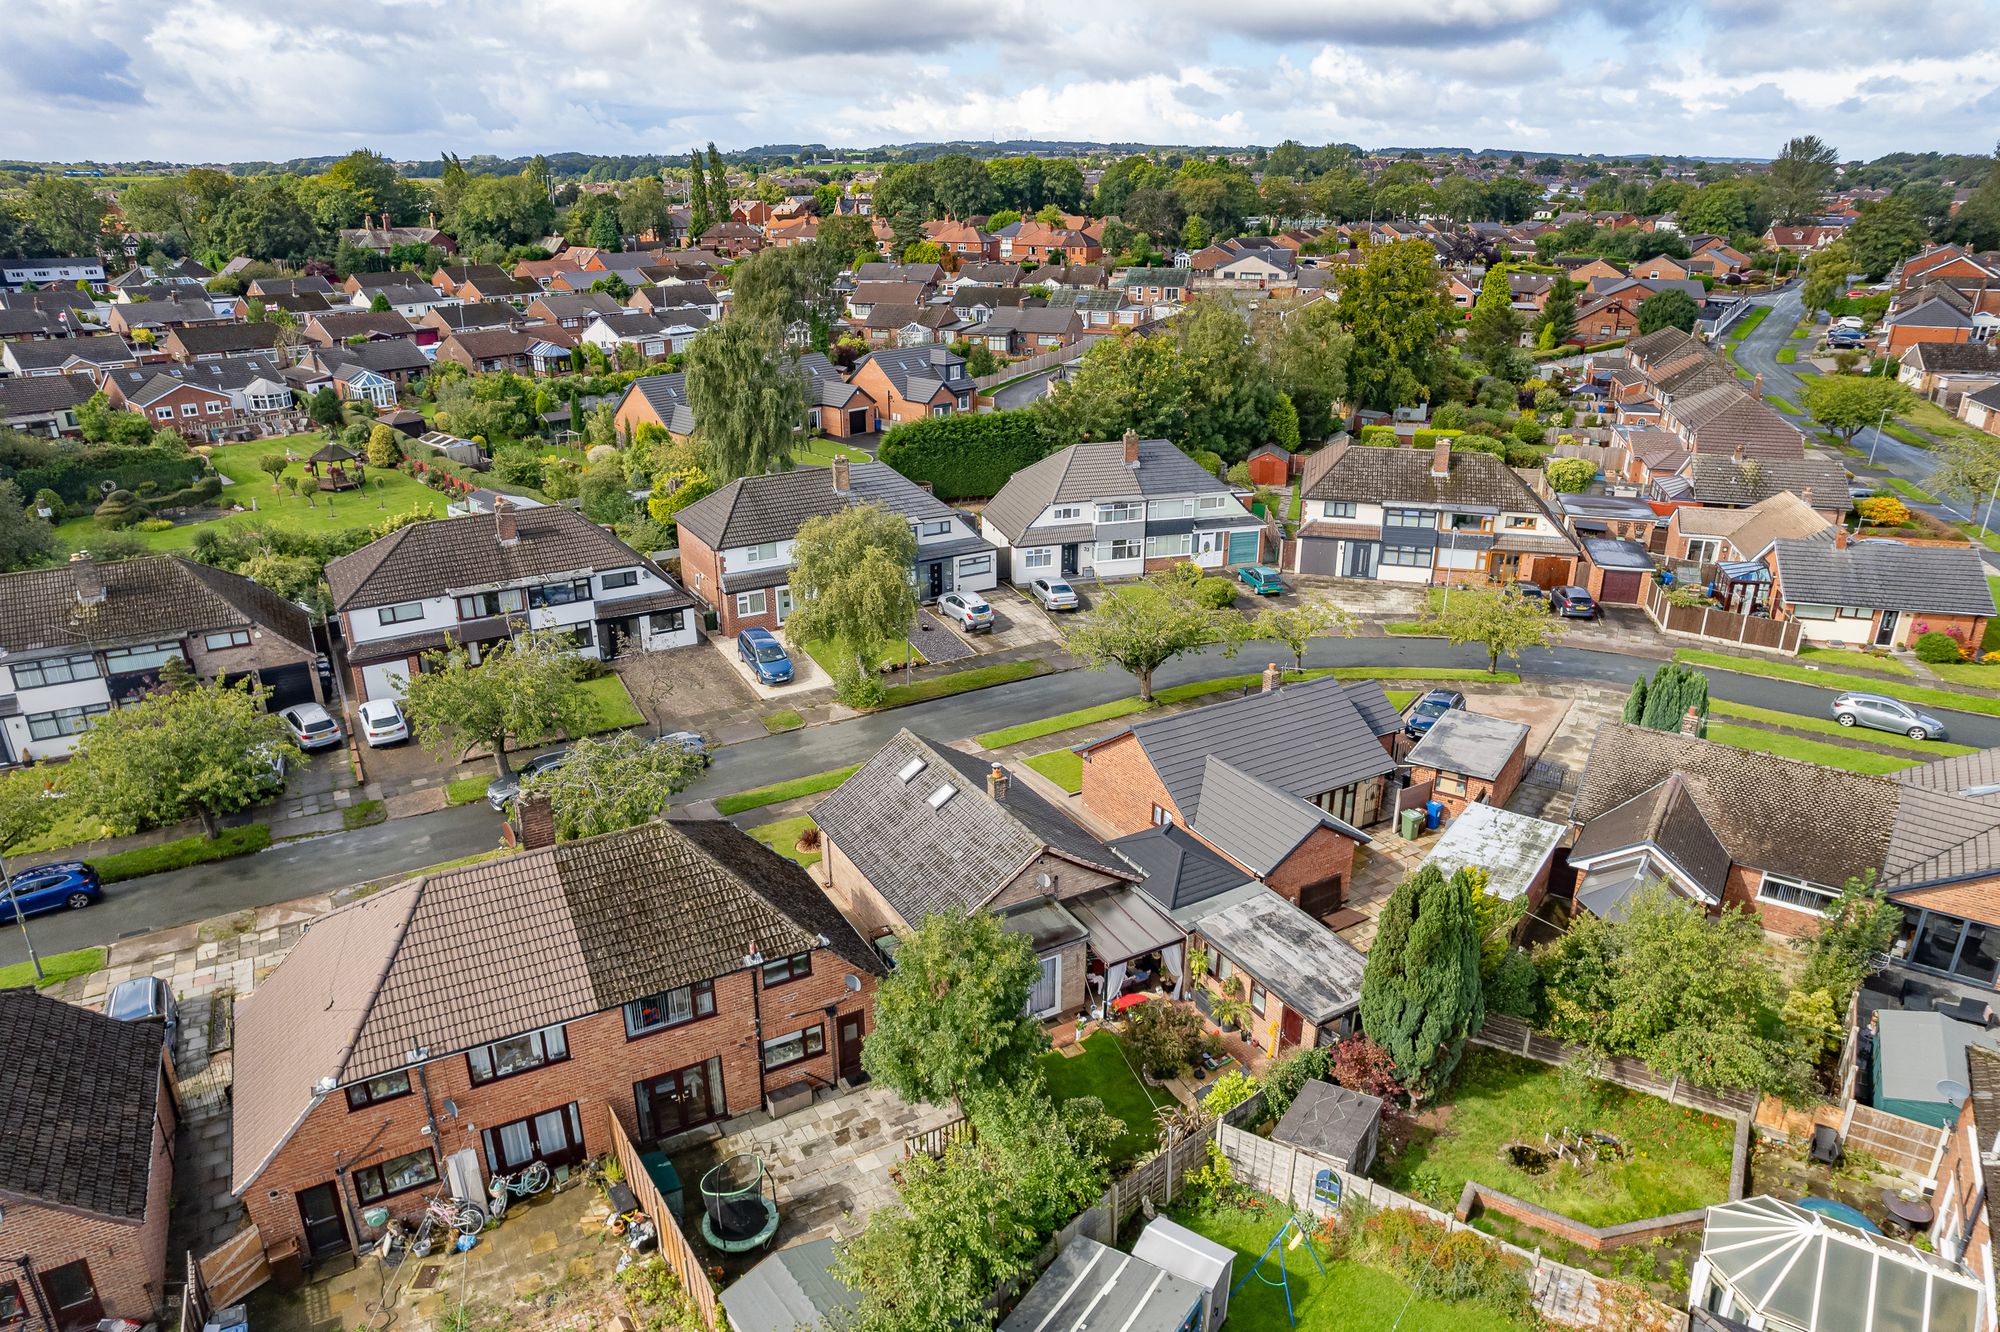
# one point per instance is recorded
(477, 580)
(736, 545)
(1116, 509)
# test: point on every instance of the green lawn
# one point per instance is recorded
(386, 493)
(1976, 674)
(1064, 767)
(1781, 404)
(1402, 698)
(785, 719)
(612, 705)
(1908, 491)
(465, 790)
(1809, 751)
(195, 850)
(1102, 1071)
(818, 452)
(1897, 430)
(1853, 659)
(959, 682)
(1934, 420)
(56, 968)
(1990, 540)
(1788, 356)
(890, 654)
(1827, 726)
(1785, 670)
(1741, 329)
(782, 836)
(779, 792)
(1803, 331)
(1678, 1161)
(1349, 1296)
(362, 813)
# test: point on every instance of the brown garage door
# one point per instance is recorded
(1622, 588)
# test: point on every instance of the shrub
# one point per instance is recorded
(518, 467)
(1459, 1266)
(1164, 1038)
(1286, 1075)
(1230, 1090)
(1359, 1064)
(121, 508)
(1450, 416)
(1516, 989)
(1883, 511)
(1215, 593)
(1427, 438)
(1570, 476)
(48, 499)
(1937, 648)
(1378, 437)
(1238, 474)
(965, 455)
(154, 525)
(195, 850)
(75, 474)
(859, 689)
(1212, 463)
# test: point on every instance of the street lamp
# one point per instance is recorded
(1877, 442)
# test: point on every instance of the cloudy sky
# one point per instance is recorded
(234, 80)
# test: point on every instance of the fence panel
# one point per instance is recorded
(673, 1245)
(1516, 1037)
(1720, 626)
(1034, 365)
(195, 1307)
(234, 1268)
(1900, 1143)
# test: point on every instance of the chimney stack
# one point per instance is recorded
(840, 476)
(1691, 721)
(1806, 495)
(1131, 448)
(1840, 536)
(538, 821)
(89, 579)
(996, 782)
(503, 524)
(1757, 384)
(1737, 456)
(1272, 677)
(1441, 460)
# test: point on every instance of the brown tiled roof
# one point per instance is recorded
(486, 343)
(1403, 475)
(155, 596)
(456, 960)
(1729, 417)
(79, 1105)
(1718, 478)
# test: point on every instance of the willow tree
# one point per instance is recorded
(748, 397)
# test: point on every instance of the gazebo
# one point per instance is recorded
(336, 459)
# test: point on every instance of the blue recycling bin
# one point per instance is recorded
(1433, 815)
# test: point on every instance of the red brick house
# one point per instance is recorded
(170, 403)
(1281, 782)
(1470, 758)
(1964, 1199)
(487, 350)
(89, 1114)
(1880, 593)
(672, 975)
(910, 383)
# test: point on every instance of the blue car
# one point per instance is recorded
(1425, 711)
(67, 884)
(765, 655)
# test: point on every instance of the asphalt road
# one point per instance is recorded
(1023, 392)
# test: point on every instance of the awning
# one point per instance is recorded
(1123, 924)
(1047, 925)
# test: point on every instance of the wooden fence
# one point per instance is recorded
(1902, 1144)
(673, 1245)
(1034, 365)
(932, 1142)
(195, 1307)
(1720, 626)
(1517, 1037)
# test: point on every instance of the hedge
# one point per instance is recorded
(965, 456)
(1428, 437)
(1379, 437)
(75, 475)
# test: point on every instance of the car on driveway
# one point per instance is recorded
(1574, 603)
(312, 726)
(1528, 591)
(142, 999)
(968, 610)
(383, 723)
(1261, 579)
(1861, 490)
(66, 884)
(1054, 594)
(765, 656)
(500, 792)
(1423, 713)
(1881, 713)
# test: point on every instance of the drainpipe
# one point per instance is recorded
(27, 1266)
(430, 1115)
(757, 1027)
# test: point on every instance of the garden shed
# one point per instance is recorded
(1332, 1122)
(1914, 1054)
(793, 1288)
(1091, 1287)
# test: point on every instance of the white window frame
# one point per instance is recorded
(1121, 513)
(752, 603)
(1038, 557)
(1800, 888)
(762, 553)
(1212, 503)
(1066, 513)
(163, 413)
(229, 638)
(1135, 549)
(190, 409)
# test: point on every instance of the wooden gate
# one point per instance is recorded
(235, 1269)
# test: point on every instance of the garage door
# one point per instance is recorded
(1317, 555)
(288, 684)
(1622, 589)
(1244, 547)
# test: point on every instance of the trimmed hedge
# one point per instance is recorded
(965, 456)
(1378, 437)
(1428, 437)
(75, 475)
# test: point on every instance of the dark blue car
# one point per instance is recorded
(765, 655)
(1425, 711)
(67, 884)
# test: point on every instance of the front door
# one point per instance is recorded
(851, 1035)
(1069, 560)
(325, 1227)
(936, 579)
(1358, 559)
(73, 1296)
(1885, 632)
(1291, 1028)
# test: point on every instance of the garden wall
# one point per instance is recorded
(1517, 1037)
(1476, 1197)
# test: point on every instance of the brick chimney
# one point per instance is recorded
(996, 782)
(503, 524)
(538, 821)
(1131, 448)
(1737, 456)
(89, 579)
(1806, 495)
(1757, 384)
(1272, 677)
(1441, 460)
(1839, 536)
(1691, 721)
(840, 475)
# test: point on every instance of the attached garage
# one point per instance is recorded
(1618, 570)
(1245, 546)
(289, 684)
(1319, 555)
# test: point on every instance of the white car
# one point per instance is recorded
(1054, 594)
(312, 726)
(383, 723)
(1855, 322)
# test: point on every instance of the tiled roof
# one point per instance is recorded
(1181, 872)
(1096, 470)
(755, 509)
(79, 1106)
(924, 857)
(919, 372)
(491, 343)
(1939, 580)
(214, 339)
(1728, 418)
(1954, 357)
(1254, 822)
(1783, 516)
(454, 960)
(1028, 319)
(1403, 475)
(1717, 478)
(152, 597)
(97, 349)
(475, 314)
(1666, 817)
(27, 395)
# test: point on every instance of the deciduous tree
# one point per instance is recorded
(1140, 627)
(1298, 624)
(1845, 404)
(524, 691)
(748, 397)
(951, 1019)
(850, 582)
(612, 782)
(1501, 620)
(1394, 305)
(26, 809)
(1799, 177)
(1306, 353)
(1672, 308)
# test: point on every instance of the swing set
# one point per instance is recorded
(1283, 1281)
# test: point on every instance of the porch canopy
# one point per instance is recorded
(1124, 926)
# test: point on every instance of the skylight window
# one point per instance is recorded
(908, 772)
(941, 795)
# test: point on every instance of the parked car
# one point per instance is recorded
(1423, 714)
(501, 791)
(1861, 490)
(1855, 322)
(141, 999)
(1054, 594)
(765, 656)
(1528, 591)
(1881, 713)
(383, 723)
(691, 742)
(1261, 579)
(65, 884)
(968, 610)
(1575, 603)
(312, 726)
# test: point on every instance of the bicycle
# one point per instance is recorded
(530, 1180)
(463, 1217)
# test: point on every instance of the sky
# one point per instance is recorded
(233, 80)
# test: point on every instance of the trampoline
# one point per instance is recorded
(1840, 1211)
(739, 1211)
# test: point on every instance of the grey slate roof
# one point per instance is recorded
(1954, 357)
(79, 1105)
(1940, 580)
(923, 859)
(1665, 818)
(919, 372)
(1310, 968)
(152, 597)
(96, 349)
(1472, 743)
(26, 395)
(1181, 873)
(754, 509)
(1096, 470)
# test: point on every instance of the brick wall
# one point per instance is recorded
(1478, 790)
(601, 1072)
(1478, 1198)
(1323, 855)
(127, 1259)
(1120, 786)
(1740, 890)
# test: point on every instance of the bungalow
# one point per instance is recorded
(572, 309)
(1117, 508)
(156, 318)
(1941, 371)
(911, 383)
(668, 295)
(653, 337)
(213, 342)
(472, 317)
(1981, 410)
(736, 544)
(922, 828)
(489, 350)
(337, 327)
(1023, 331)
(1880, 593)
(1701, 536)
(1737, 482)
(44, 404)
(398, 362)
(474, 283)
(1298, 983)
(62, 356)
(869, 294)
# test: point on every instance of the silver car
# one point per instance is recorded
(1886, 714)
(1054, 594)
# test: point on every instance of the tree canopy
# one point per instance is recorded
(612, 782)
(1394, 306)
(748, 397)
(850, 582)
(1420, 993)
(1846, 404)
(522, 691)
(1140, 627)
(1500, 619)
(1672, 308)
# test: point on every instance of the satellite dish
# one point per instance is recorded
(1951, 1089)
